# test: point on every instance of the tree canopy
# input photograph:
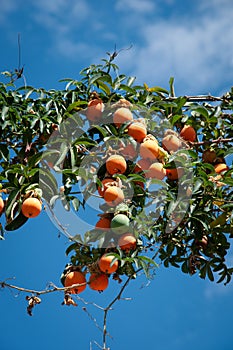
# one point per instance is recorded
(155, 167)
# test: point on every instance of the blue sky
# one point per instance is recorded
(193, 43)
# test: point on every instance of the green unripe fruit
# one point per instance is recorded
(120, 224)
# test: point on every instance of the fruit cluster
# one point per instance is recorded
(140, 151)
(30, 206)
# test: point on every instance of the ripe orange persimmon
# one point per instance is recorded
(113, 196)
(149, 149)
(138, 131)
(188, 133)
(122, 115)
(103, 223)
(105, 183)
(129, 151)
(31, 207)
(1, 205)
(127, 241)
(106, 263)
(142, 165)
(75, 277)
(98, 281)
(94, 109)
(116, 164)
(219, 168)
(140, 184)
(174, 173)
(156, 171)
(171, 143)
(209, 156)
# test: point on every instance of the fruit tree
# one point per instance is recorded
(146, 174)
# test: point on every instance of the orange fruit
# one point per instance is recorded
(106, 265)
(219, 168)
(171, 143)
(174, 173)
(75, 277)
(142, 165)
(105, 183)
(129, 151)
(1, 205)
(149, 149)
(116, 164)
(156, 171)
(122, 115)
(140, 184)
(54, 126)
(103, 223)
(113, 196)
(188, 133)
(209, 156)
(98, 281)
(138, 131)
(31, 207)
(94, 109)
(127, 241)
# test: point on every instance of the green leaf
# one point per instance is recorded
(4, 152)
(210, 273)
(130, 81)
(13, 197)
(171, 84)
(76, 203)
(16, 223)
(201, 110)
(148, 260)
(72, 247)
(104, 87)
(64, 148)
(220, 220)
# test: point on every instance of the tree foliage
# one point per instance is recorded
(184, 222)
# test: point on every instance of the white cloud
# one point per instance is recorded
(198, 52)
(194, 48)
(73, 50)
(215, 290)
(7, 7)
(145, 6)
(62, 18)
(62, 13)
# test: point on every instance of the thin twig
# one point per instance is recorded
(218, 140)
(4, 284)
(106, 310)
(63, 229)
(202, 98)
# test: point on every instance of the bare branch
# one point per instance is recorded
(202, 98)
(218, 140)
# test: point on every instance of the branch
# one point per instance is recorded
(202, 98)
(106, 310)
(219, 140)
(4, 284)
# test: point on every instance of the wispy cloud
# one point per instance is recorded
(217, 290)
(61, 19)
(6, 8)
(194, 46)
(197, 51)
(135, 5)
(61, 15)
